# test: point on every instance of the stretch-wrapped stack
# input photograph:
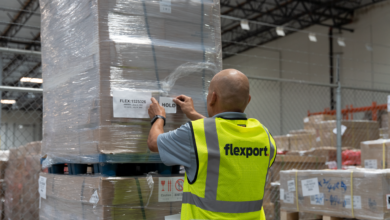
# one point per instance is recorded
(95, 49)
(359, 193)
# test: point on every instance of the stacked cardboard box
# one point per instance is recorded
(301, 140)
(282, 143)
(126, 46)
(21, 179)
(288, 162)
(329, 192)
(309, 122)
(353, 132)
(89, 197)
(374, 153)
(383, 133)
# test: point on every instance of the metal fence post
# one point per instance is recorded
(1, 93)
(338, 113)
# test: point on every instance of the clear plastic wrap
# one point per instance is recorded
(94, 197)
(91, 48)
(21, 199)
(369, 192)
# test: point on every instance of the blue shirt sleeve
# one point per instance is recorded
(175, 146)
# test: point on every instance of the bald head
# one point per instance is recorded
(231, 88)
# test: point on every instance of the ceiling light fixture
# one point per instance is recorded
(31, 80)
(312, 37)
(10, 102)
(245, 25)
(341, 42)
(280, 31)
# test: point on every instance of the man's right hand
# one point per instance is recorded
(187, 106)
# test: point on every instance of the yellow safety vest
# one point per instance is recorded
(233, 158)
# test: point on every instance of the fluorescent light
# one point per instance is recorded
(5, 101)
(341, 42)
(280, 31)
(312, 37)
(245, 25)
(31, 80)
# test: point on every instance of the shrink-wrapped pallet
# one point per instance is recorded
(93, 197)
(100, 56)
(373, 153)
(308, 122)
(329, 192)
(282, 142)
(353, 132)
(302, 140)
(288, 162)
(21, 179)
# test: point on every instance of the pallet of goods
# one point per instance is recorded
(357, 193)
(375, 154)
(104, 64)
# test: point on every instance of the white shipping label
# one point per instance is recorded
(291, 185)
(165, 6)
(130, 104)
(372, 164)
(42, 186)
(289, 198)
(94, 198)
(357, 202)
(281, 194)
(317, 199)
(168, 104)
(170, 189)
(310, 187)
(305, 120)
(343, 128)
(388, 201)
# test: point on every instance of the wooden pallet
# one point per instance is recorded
(295, 216)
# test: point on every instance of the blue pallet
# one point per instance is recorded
(110, 158)
(115, 169)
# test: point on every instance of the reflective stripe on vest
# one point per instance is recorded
(210, 201)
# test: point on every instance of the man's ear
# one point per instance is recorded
(213, 99)
(249, 99)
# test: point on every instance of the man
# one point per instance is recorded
(226, 157)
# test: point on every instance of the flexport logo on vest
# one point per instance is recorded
(245, 151)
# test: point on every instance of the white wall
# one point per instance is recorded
(19, 128)
(281, 108)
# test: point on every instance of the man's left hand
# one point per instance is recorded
(155, 109)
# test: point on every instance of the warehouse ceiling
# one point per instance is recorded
(20, 28)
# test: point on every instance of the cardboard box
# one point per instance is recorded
(369, 190)
(121, 45)
(302, 140)
(309, 121)
(288, 162)
(21, 179)
(383, 133)
(373, 153)
(282, 142)
(118, 198)
(354, 132)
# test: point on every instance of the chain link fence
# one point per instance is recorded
(281, 105)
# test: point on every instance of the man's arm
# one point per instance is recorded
(158, 126)
(187, 106)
